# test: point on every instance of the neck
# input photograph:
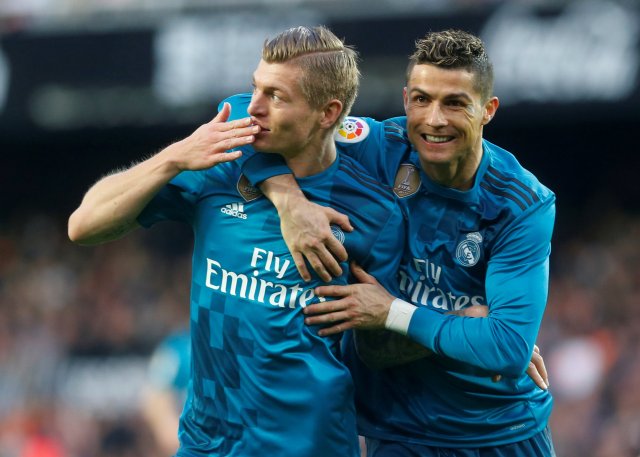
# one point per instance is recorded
(458, 174)
(314, 158)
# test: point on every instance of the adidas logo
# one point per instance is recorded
(235, 210)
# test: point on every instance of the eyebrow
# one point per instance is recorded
(463, 95)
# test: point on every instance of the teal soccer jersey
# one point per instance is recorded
(488, 245)
(263, 382)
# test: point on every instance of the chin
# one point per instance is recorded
(435, 157)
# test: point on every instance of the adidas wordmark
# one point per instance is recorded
(235, 210)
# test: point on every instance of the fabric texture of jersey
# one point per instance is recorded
(263, 382)
(488, 245)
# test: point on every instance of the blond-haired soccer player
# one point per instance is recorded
(263, 383)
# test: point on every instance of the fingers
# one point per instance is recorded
(325, 257)
(496, 377)
(223, 126)
(222, 117)
(339, 219)
(327, 264)
(333, 314)
(301, 265)
(317, 309)
(316, 263)
(223, 114)
(332, 291)
(533, 373)
(334, 330)
(328, 318)
(362, 276)
(538, 363)
(229, 157)
(232, 138)
(476, 311)
(336, 249)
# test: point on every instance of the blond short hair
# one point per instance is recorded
(329, 66)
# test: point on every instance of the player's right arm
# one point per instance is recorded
(305, 225)
(110, 208)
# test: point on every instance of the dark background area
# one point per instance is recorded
(586, 151)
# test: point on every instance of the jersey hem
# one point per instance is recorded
(381, 435)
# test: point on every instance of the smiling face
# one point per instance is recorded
(445, 118)
(290, 125)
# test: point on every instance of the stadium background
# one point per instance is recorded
(86, 87)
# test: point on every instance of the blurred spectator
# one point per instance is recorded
(166, 390)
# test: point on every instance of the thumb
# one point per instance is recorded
(362, 276)
(223, 114)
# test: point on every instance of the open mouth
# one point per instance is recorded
(436, 138)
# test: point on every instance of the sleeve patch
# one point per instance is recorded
(352, 130)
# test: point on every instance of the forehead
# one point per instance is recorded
(435, 80)
(282, 76)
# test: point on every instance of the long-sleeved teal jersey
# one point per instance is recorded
(488, 245)
(263, 382)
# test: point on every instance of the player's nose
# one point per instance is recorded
(257, 105)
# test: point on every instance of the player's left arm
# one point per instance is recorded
(516, 291)
(380, 349)
(516, 284)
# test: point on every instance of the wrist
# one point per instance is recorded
(399, 317)
(283, 191)
(170, 157)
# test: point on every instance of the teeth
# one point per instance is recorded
(437, 139)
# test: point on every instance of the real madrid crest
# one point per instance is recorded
(352, 130)
(469, 251)
(338, 233)
(407, 180)
(248, 191)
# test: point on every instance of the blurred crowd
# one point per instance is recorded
(77, 326)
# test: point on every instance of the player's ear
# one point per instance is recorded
(405, 99)
(490, 108)
(330, 113)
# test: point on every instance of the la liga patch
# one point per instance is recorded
(352, 130)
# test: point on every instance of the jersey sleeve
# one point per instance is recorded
(379, 146)
(256, 166)
(516, 291)
(175, 201)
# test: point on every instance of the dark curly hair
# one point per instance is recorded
(455, 49)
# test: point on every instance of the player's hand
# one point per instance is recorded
(472, 311)
(362, 306)
(306, 231)
(536, 370)
(207, 145)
